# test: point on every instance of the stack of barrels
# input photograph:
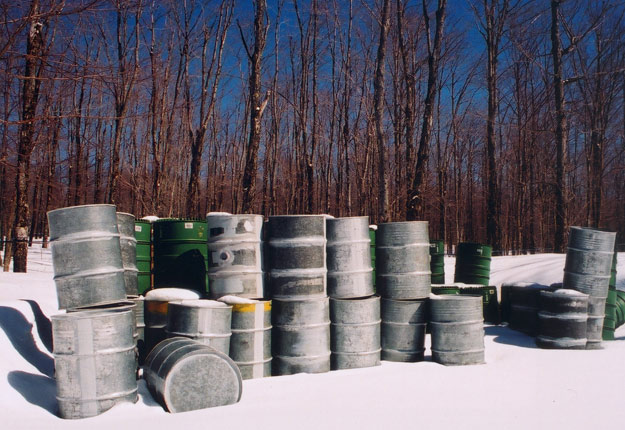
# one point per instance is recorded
(587, 269)
(403, 281)
(296, 277)
(354, 310)
(95, 350)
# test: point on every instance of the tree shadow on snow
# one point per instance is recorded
(19, 332)
(507, 336)
(44, 326)
(38, 390)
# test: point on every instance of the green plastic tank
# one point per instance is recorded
(473, 263)
(143, 234)
(180, 254)
(437, 261)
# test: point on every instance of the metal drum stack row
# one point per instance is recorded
(587, 269)
(403, 281)
(296, 277)
(354, 310)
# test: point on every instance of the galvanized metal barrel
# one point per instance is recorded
(355, 333)
(588, 269)
(94, 361)
(234, 255)
(437, 261)
(86, 256)
(473, 263)
(185, 375)
(156, 304)
(128, 245)
(205, 321)
(403, 329)
(180, 254)
(349, 257)
(250, 344)
(610, 320)
(143, 234)
(372, 230)
(524, 303)
(403, 260)
(562, 320)
(490, 304)
(140, 325)
(296, 256)
(301, 335)
(457, 329)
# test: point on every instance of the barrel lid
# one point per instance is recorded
(169, 294)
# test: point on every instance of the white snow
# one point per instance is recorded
(519, 387)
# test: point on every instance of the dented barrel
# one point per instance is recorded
(86, 256)
(234, 255)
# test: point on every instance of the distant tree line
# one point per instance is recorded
(498, 121)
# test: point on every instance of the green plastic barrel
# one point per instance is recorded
(180, 254)
(620, 308)
(437, 261)
(143, 234)
(441, 290)
(372, 238)
(489, 301)
(473, 263)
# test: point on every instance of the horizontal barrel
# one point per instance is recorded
(185, 375)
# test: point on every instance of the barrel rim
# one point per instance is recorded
(57, 210)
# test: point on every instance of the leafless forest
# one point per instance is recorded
(498, 121)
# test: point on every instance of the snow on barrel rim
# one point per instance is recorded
(169, 294)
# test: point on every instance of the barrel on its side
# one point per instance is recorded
(301, 335)
(437, 261)
(562, 319)
(403, 260)
(180, 254)
(250, 343)
(234, 255)
(94, 360)
(86, 256)
(128, 244)
(355, 332)
(205, 321)
(473, 263)
(349, 257)
(296, 256)
(403, 329)
(143, 234)
(156, 304)
(457, 329)
(185, 375)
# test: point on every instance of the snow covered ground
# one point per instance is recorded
(519, 387)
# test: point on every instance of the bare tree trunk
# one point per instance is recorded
(561, 130)
(35, 45)
(256, 106)
(415, 204)
(378, 103)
